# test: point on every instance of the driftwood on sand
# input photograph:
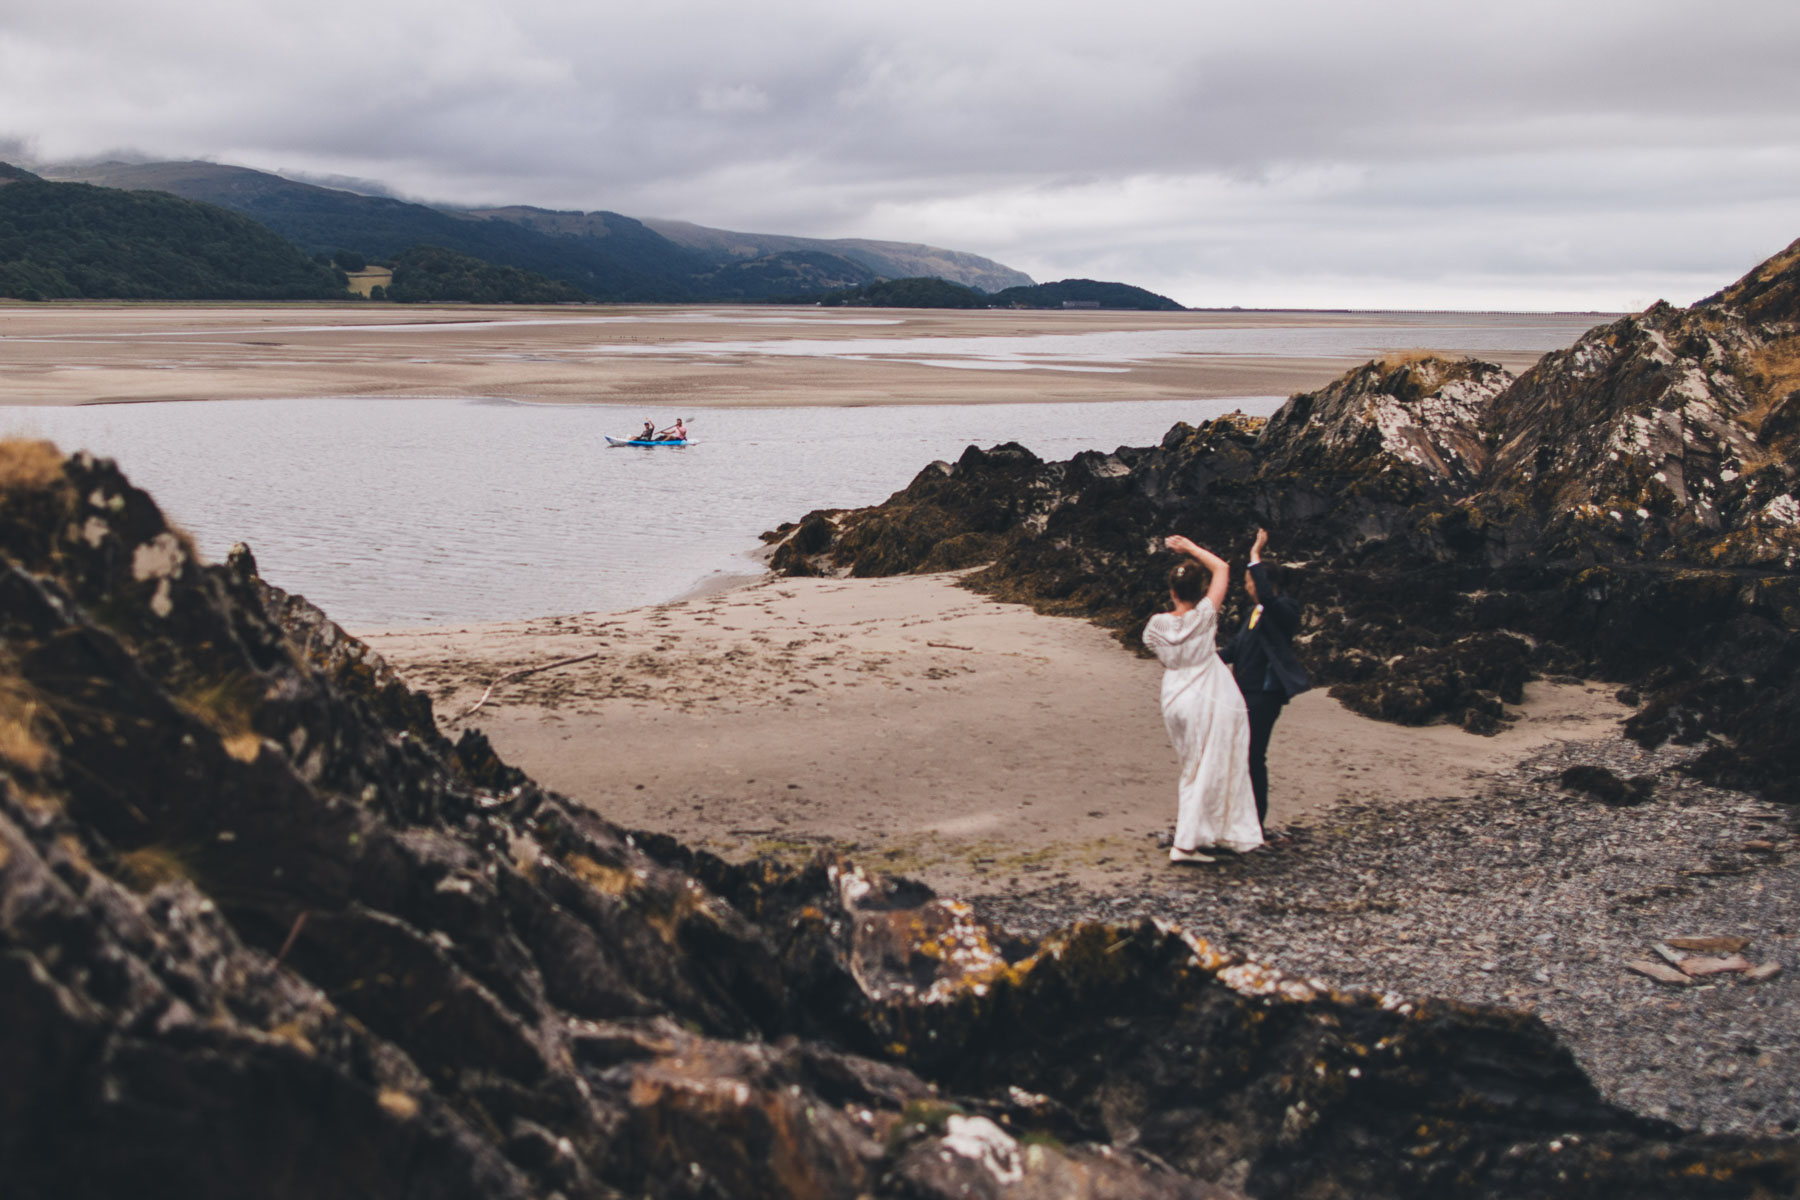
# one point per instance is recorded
(468, 712)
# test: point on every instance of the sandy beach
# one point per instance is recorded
(928, 729)
(1019, 761)
(653, 356)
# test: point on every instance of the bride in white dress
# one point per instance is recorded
(1204, 712)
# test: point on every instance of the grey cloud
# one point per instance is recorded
(1185, 141)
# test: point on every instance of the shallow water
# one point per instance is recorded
(397, 512)
(403, 512)
(1112, 350)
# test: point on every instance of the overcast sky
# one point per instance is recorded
(1583, 154)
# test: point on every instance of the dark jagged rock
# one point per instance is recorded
(994, 492)
(1769, 295)
(1147, 1037)
(1628, 509)
(1469, 680)
(1638, 443)
(261, 935)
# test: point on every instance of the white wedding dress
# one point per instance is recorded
(1210, 730)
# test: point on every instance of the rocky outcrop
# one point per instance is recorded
(1640, 443)
(1411, 426)
(262, 932)
(1627, 509)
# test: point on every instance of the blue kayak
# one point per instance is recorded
(613, 441)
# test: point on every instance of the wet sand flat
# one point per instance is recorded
(973, 744)
(94, 353)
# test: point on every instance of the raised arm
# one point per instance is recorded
(1280, 608)
(1221, 570)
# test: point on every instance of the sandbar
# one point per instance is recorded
(654, 357)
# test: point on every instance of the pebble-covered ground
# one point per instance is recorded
(1533, 895)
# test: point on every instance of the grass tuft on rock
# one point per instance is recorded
(29, 465)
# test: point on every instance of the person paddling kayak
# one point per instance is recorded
(674, 433)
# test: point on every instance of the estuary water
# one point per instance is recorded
(391, 513)
(1115, 351)
(406, 512)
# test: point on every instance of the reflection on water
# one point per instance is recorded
(403, 512)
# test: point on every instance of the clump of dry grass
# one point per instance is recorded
(295, 1034)
(1774, 376)
(29, 465)
(1769, 269)
(148, 867)
(36, 497)
(227, 707)
(1429, 371)
(612, 881)
(19, 746)
(22, 714)
(1407, 358)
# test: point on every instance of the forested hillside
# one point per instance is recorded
(73, 241)
(928, 292)
(909, 293)
(629, 263)
(431, 273)
(802, 274)
(1084, 292)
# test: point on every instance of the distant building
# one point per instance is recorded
(1081, 304)
(367, 280)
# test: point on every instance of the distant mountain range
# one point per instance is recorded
(115, 240)
(602, 254)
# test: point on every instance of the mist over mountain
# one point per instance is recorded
(889, 260)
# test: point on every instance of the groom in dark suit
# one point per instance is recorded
(1263, 663)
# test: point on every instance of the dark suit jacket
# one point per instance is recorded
(1262, 659)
